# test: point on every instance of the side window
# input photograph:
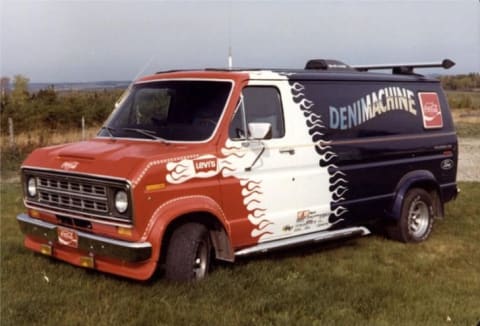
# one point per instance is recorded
(262, 104)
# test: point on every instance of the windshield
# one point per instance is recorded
(169, 110)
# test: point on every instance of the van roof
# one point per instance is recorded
(326, 69)
(293, 74)
(316, 69)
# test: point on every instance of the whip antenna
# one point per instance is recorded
(141, 71)
(230, 58)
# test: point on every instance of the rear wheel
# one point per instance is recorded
(188, 253)
(416, 219)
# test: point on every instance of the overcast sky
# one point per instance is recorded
(61, 41)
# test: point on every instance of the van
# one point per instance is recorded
(201, 165)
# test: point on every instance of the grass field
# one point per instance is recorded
(364, 281)
(466, 112)
(25, 143)
(467, 122)
(464, 99)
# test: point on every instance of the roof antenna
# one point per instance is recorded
(230, 58)
(127, 90)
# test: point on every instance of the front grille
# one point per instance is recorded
(72, 194)
(78, 197)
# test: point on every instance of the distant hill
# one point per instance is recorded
(72, 86)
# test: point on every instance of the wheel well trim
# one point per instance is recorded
(173, 210)
(420, 179)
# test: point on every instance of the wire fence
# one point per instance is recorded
(42, 136)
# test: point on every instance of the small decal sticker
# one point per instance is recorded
(67, 237)
(69, 165)
(308, 219)
(431, 110)
(302, 215)
(287, 228)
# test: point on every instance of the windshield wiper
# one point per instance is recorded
(109, 130)
(144, 132)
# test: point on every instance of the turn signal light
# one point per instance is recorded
(87, 261)
(155, 187)
(34, 213)
(46, 250)
(124, 231)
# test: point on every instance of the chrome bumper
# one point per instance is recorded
(101, 246)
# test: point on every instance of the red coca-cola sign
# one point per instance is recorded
(431, 110)
(67, 237)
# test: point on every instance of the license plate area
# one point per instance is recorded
(67, 237)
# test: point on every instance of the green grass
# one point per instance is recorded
(364, 281)
(466, 112)
(11, 159)
(463, 99)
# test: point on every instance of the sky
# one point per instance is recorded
(79, 41)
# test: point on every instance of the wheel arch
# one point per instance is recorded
(423, 179)
(197, 209)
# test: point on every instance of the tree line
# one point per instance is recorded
(51, 109)
(469, 82)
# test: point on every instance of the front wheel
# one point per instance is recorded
(416, 219)
(188, 253)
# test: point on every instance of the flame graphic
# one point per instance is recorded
(315, 123)
(337, 181)
(246, 192)
(306, 104)
(252, 199)
(297, 87)
(180, 169)
(339, 211)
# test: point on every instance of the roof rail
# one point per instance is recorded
(172, 70)
(406, 68)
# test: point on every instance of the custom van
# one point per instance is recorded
(201, 165)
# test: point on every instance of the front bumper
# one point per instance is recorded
(121, 250)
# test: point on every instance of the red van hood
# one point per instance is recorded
(108, 157)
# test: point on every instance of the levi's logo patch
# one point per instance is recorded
(431, 110)
(205, 165)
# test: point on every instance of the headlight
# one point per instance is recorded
(32, 187)
(121, 201)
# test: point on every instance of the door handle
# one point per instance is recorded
(290, 151)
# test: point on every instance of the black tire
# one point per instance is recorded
(416, 219)
(188, 253)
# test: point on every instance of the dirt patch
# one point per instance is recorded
(10, 178)
(466, 116)
(469, 159)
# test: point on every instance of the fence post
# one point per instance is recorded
(83, 128)
(10, 132)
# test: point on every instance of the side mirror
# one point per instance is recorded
(260, 130)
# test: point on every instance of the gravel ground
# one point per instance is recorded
(469, 159)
